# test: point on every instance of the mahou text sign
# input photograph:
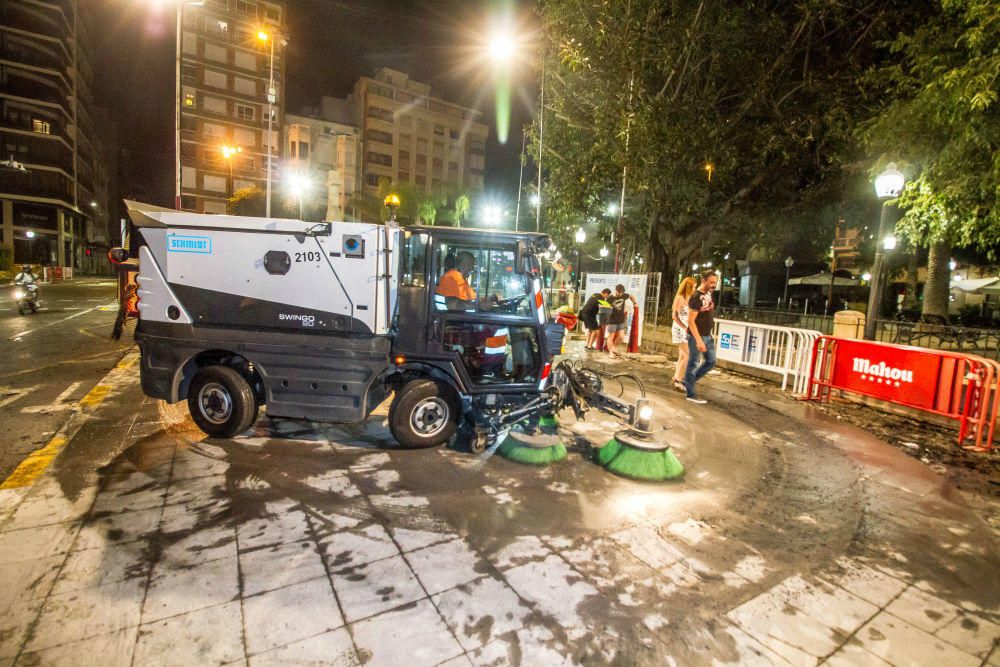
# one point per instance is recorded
(897, 374)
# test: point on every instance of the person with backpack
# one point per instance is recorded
(588, 315)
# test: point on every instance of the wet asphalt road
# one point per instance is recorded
(793, 539)
(50, 360)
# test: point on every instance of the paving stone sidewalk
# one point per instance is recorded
(308, 544)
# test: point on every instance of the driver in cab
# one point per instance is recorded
(454, 293)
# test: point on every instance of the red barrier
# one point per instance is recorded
(950, 384)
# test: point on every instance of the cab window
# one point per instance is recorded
(495, 354)
(483, 278)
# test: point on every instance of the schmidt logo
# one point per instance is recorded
(196, 244)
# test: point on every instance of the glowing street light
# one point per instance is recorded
(298, 186)
(228, 153)
(612, 209)
(492, 215)
(889, 243)
(888, 185)
(272, 97)
(501, 48)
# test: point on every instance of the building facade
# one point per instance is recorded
(411, 136)
(326, 151)
(228, 52)
(54, 175)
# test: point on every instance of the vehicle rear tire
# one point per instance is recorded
(424, 413)
(221, 402)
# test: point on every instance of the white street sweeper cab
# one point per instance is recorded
(323, 321)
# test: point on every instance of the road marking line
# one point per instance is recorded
(14, 394)
(29, 331)
(55, 406)
(37, 462)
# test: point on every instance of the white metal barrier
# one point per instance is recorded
(781, 350)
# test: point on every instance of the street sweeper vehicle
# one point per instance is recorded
(323, 321)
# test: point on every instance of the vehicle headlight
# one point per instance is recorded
(18, 294)
(646, 412)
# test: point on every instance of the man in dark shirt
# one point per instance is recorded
(588, 314)
(701, 320)
(617, 321)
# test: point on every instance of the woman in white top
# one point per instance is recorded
(678, 329)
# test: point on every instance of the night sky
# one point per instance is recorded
(331, 44)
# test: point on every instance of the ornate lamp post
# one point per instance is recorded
(789, 263)
(888, 185)
(604, 255)
(581, 237)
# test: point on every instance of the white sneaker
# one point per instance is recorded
(699, 401)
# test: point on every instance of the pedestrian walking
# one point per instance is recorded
(701, 346)
(588, 315)
(618, 320)
(679, 329)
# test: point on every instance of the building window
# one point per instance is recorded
(40, 126)
(222, 26)
(245, 112)
(221, 5)
(189, 73)
(272, 14)
(381, 91)
(246, 8)
(477, 144)
(380, 158)
(377, 135)
(373, 179)
(404, 158)
(189, 100)
(214, 183)
(404, 177)
(439, 130)
(453, 134)
(381, 114)
(405, 122)
(187, 202)
(214, 105)
(303, 150)
(216, 79)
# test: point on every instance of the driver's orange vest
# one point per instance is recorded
(453, 284)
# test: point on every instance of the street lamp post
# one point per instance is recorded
(31, 238)
(888, 185)
(228, 152)
(272, 97)
(604, 256)
(581, 237)
(789, 262)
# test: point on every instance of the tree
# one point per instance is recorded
(250, 202)
(732, 123)
(942, 118)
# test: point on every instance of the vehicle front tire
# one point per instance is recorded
(424, 413)
(221, 402)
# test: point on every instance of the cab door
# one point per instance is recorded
(492, 338)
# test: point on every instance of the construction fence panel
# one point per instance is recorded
(949, 384)
(782, 350)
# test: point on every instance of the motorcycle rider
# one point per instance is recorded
(27, 278)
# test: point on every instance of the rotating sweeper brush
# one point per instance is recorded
(530, 434)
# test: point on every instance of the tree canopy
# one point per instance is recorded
(732, 124)
(942, 119)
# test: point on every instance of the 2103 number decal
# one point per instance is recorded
(308, 256)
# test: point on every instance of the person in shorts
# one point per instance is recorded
(618, 320)
(679, 328)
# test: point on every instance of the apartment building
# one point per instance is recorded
(226, 67)
(54, 175)
(411, 136)
(324, 145)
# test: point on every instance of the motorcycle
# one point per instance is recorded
(26, 297)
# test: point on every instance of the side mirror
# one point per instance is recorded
(117, 255)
